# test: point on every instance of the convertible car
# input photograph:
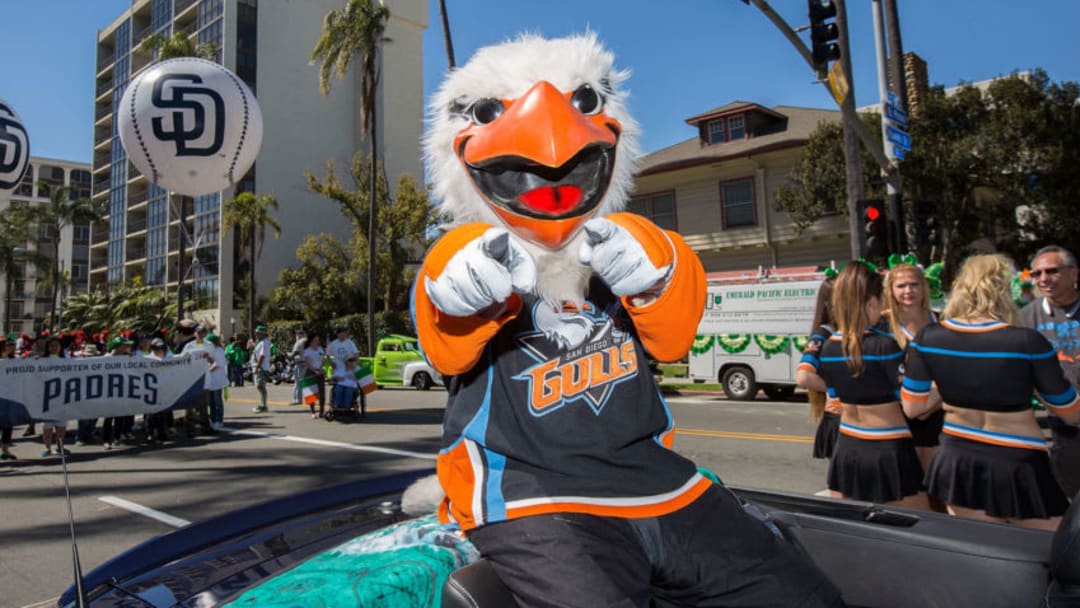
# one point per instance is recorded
(351, 545)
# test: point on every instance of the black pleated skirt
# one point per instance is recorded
(927, 433)
(875, 470)
(1002, 481)
(825, 438)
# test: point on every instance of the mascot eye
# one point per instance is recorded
(486, 110)
(586, 100)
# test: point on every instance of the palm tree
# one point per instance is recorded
(161, 47)
(356, 31)
(250, 215)
(15, 235)
(60, 212)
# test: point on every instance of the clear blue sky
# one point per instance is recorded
(687, 56)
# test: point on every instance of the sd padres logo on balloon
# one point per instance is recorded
(177, 132)
(14, 148)
(190, 125)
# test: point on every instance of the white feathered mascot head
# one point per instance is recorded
(533, 135)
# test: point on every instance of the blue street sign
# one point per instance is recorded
(898, 137)
(893, 99)
(898, 153)
(896, 115)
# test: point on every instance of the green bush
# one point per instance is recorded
(674, 370)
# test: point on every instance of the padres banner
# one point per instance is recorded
(96, 387)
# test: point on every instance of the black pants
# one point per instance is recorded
(710, 553)
(5, 436)
(1065, 456)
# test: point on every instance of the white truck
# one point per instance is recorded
(753, 330)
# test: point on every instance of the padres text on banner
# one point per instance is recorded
(96, 387)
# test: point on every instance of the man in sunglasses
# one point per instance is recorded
(1056, 315)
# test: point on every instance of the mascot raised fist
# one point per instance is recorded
(542, 305)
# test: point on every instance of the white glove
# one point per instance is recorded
(484, 272)
(620, 260)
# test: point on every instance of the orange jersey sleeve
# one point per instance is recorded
(453, 344)
(667, 325)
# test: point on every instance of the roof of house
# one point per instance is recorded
(801, 122)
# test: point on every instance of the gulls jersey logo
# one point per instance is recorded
(188, 123)
(580, 357)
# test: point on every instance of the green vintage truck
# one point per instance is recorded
(399, 362)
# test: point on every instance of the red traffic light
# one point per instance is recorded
(873, 213)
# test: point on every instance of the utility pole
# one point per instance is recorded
(181, 270)
(896, 53)
(898, 237)
(853, 168)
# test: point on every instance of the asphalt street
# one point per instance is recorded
(123, 497)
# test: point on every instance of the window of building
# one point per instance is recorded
(737, 203)
(736, 127)
(716, 131)
(660, 208)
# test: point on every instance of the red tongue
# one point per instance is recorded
(552, 199)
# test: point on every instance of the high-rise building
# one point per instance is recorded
(26, 297)
(268, 45)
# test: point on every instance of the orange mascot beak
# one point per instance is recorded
(544, 160)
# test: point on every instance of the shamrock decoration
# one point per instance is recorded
(896, 259)
(933, 278)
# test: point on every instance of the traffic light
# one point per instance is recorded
(874, 228)
(823, 33)
(926, 223)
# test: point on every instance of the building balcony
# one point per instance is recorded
(104, 144)
(103, 112)
(102, 90)
(101, 186)
(136, 226)
(184, 10)
(105, 64)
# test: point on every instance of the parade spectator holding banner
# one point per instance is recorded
(7, 351)
(1055, 316)
(199, 415)
(157, 424)
(112, 428)
(52, 431)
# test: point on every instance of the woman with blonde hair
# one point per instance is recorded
(992, 463)
(874, 458)
(907, 310)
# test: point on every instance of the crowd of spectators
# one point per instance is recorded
(225, 366)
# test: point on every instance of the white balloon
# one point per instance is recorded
(14, 148)
(190, 125)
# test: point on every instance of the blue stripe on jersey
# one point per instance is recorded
(897, 355)
(494, 501)
(875, 431)
(809, 358)
(667, 413)
(830, 391)
(882, 332)
(983, 324)
(1064, 398)
(477, 427)
(917, 386)
(978, 355)
(977, 432)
